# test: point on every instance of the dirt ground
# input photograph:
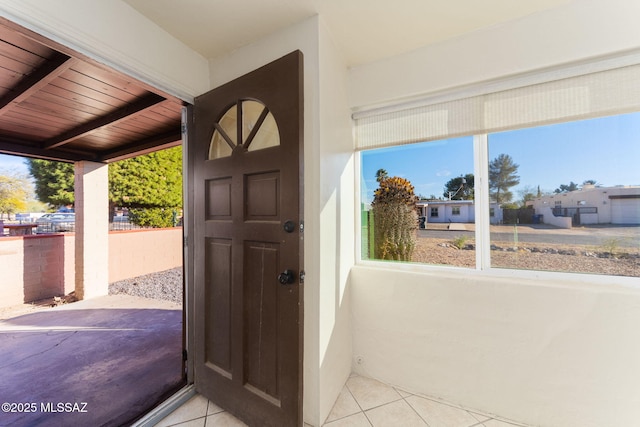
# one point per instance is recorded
(534, 256)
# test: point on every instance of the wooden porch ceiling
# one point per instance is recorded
(60, 105)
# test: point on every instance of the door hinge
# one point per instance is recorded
(301, 276)
(301, 226)
(185, 240)
(185, 356)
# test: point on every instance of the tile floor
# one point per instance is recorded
(363, 402)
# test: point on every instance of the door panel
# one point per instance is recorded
(247, 214)
(218, 302)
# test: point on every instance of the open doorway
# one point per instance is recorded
(95, 361)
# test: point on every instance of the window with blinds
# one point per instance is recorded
(496, 164)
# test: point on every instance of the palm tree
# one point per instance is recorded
(381, 175)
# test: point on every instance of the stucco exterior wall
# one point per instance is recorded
(35, 267)
(139, 252)
(595, 197)
(43, 266)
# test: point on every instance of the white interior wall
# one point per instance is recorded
(544, 349)
(328, 202)
(576, 31)
(547, 353)
(337, 221)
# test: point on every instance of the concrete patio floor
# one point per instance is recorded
(100, 362)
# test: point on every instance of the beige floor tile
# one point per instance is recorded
(402, 392)
(498, 423)
(345, 405)
(480, 417)
(194, 408)
(394, 414)
(356, 420)
(224, 419)
(200, 422)
(213, 408)
(370, 393)
(440, 415)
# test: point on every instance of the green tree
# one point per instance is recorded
(460, 188)
(53, 181)
(395, 219)
(381, 175)
(14, 191)
(565, 188)
(150, 186)
(502, 176)
(528, 194)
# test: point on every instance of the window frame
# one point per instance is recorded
(483, 266)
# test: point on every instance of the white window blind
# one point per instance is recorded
(597, 94)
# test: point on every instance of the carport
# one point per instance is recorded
(58, 104)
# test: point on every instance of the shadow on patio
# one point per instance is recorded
(107, 360)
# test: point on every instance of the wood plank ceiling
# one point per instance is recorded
(60, 105)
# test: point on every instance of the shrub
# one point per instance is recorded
(460, 242)
(153, 217)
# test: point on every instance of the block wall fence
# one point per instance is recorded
(43, 266)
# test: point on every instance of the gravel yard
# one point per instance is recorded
(544, 256)
(163, 285)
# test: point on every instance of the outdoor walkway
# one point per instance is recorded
(363, 402)
(100, 362)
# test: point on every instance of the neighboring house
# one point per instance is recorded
(447, 211)
(444, 211)
(592, 205)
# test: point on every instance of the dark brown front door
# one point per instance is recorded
(248, 244)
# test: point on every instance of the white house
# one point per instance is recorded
(445, 211)
(543, 348)
(592, 205)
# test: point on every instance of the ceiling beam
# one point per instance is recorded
(144, 146)
(35, 81)
(27, 149)
(124, 113)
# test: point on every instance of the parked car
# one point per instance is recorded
(58, 222)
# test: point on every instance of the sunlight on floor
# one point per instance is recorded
(363, 402)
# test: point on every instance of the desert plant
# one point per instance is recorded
(611, 246)
(395, 218)
(460, 242)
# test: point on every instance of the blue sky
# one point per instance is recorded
(605, 149)
(13, 164)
